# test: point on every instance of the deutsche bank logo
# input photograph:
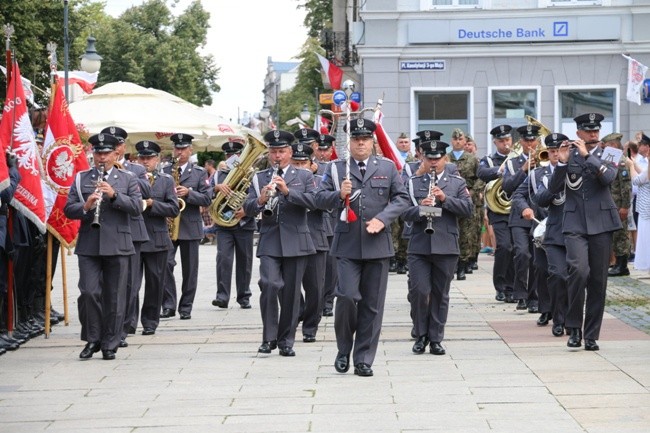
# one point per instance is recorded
(560, 28)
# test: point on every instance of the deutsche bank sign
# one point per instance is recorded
(575, 28)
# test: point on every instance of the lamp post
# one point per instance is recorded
(90, 60)
(305, 114)
(66, 48)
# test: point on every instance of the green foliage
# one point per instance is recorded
(318, 17)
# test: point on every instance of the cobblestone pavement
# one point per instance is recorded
(628, 299)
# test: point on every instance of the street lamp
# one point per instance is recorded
(305, 114)
(90, 60)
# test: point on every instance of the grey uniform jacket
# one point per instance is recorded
(113, 237)
(383, 196)
(488, 169)
(555, 204)
(196, 180)
(458, 203)
(138, 229)
(319, 225)
(513, 177)
(164, 205)
(589, 208)
(284, 233)
(525, 196)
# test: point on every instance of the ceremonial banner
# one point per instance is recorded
(63, 156)
(27, 86)
(635, 76)
(388, 148)
(333, 72)
(17, 135)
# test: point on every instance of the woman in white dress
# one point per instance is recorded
(641, 181)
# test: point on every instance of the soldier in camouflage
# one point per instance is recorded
(467, 165)
(621, 190)
(398, 263)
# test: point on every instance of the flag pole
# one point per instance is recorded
(9, 31)
(51, 48)
(64, 284)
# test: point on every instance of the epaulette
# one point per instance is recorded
(456, 176)
(163, 174)
(85, 171)
(198, 167)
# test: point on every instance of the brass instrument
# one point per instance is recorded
(496, 198)
(222, 209)
(271, 194)
(431, 211)
(174, 224)
(98, 204)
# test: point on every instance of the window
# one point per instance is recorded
(551, 3)
(511, 106)
(574, 102)
(442, 111)
(437, 4)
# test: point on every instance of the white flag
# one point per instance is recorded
(635, 76)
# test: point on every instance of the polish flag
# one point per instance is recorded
(333, 72)
(388, 148)
(85, 80)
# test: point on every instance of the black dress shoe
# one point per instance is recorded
(219, 303)
(287, 351)
(89, 350)
(521, 304)
(591, 344)
(245, 305)
(436, 349)
(268, 346)
(60, 317)
(131, 330)
(148, 331)
(108, 354)
(533, 307)
(468, 268)
(185, 316)
(6, 345)
(309, 338)
(392, 266)
(123, 343)
(510, 299)
(558, 330)
(421, 345)
(544, 318)
(342, 362)
(327, 312)
(474, 265)
(501, 297)
(362, 369)
(575, 338)
(401, 269)
(167, 313)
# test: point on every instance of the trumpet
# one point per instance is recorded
(98, 204)
(271, 194)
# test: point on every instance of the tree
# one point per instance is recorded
(147, 45)
(318, 17)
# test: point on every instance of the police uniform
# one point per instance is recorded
(139, 236)
(514, 175)
(621, 190)
(503, 270)
(233, 244)
(103, 251)
(433, 257)
(590, 217)
(553, 243)
(282, 248)
(325, 141)
(155, 251)
(313, 279)
(362, 258)
(195, 178)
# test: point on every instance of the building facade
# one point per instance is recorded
(475, 64)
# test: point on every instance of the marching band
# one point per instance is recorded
(325, 240)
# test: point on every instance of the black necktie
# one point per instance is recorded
(280, 172)
(180, 171)
(362, 168)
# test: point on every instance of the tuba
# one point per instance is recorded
(496, 198)
(222, 209)
(174, 224)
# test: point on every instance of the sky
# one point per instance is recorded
(242, 35)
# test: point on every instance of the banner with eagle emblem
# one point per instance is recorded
(17, 136)
(63, 156)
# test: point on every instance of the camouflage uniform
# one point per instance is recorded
(467, 227)
(621, 190)
(400, 243)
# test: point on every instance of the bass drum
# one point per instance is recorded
(538, 233)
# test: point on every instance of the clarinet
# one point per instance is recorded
(98, 204)
(272, 200)
(429, 228)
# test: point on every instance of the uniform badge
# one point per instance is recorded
(276, 134)
(592, 116)
(573, 176)
(427, 134)
(112, 130)
(299, 148)
(145, 144)
(303, 131)
(360, 123)
(100, 137)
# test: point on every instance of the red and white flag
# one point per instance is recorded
(27, 86)
(63, 156)
(635, 75)
(85, 80)
(333, 72)
(388, 148)
(18, 136)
